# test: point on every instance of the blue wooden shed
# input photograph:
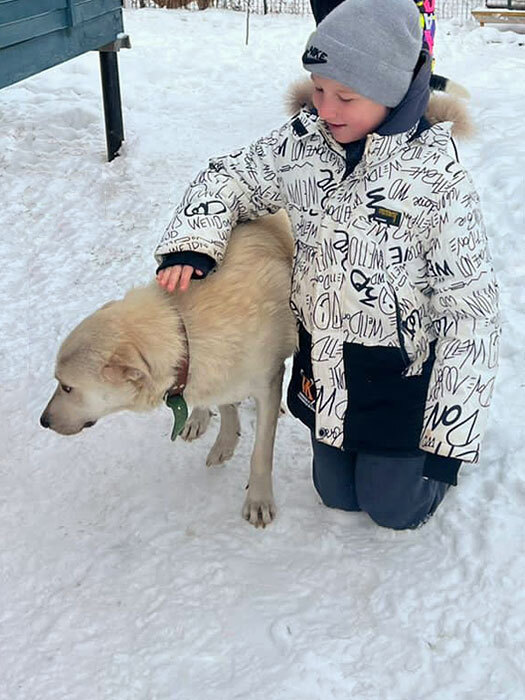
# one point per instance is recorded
(39, 34)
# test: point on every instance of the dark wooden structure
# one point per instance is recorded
(38, 34)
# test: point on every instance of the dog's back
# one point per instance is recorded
(253, 280)
(268, 239)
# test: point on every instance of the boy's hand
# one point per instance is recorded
(177, 275)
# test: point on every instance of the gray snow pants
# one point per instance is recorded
(390, 489)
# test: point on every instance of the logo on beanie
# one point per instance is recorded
(314, 55)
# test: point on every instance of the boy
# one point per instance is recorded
(392, 284)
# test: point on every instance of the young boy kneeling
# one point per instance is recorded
(393, 287)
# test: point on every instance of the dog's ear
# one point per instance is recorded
(126, 364)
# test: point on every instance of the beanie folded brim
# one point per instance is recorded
(383, 83)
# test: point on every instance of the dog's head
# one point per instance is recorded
(99, 371)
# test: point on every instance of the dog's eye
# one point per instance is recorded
(66, 388)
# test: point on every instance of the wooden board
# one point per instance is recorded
(496, 16)
(39, 34)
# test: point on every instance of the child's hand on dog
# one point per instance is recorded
(177, 275)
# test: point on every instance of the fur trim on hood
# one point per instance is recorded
(449, 108)
(446, 107)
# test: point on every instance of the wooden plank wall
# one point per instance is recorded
(39, 34)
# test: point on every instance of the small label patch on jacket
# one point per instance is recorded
(299, 127)
(307, 392)
(386, 216)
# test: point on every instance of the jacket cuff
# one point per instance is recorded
(440, 468)
(199, 261)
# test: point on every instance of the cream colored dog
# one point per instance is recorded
(231, 331)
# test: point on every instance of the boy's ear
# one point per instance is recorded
(126, 364)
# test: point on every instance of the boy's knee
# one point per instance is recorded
(334, 491)
(333, 477)
(333, 499)
(388, 509)
(396, 520)
(394, 493)
(329, 501)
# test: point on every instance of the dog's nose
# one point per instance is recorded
(44, 421)
(90, 423)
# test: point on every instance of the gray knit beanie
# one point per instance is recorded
(371, 46)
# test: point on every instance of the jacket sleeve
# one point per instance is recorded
(199, 261)
(234, 188)
(464, 312)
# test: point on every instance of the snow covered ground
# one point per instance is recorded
(126, 570)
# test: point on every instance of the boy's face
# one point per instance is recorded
(348, 115)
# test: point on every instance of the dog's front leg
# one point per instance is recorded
(259, 506)
(197, 424)
(228, 436)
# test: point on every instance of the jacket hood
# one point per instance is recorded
(413, 105)
(443, 107)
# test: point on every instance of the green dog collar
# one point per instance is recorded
(179, 407)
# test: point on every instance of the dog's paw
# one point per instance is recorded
(222, 450)
(197, 424)
(259, 512)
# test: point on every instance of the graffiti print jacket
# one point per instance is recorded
(392, 280)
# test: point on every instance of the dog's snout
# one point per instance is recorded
(44, 420)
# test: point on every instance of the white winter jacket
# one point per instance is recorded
(393, 255)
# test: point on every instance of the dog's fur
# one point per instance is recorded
(240, 330)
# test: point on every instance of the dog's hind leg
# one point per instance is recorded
(197, 424)
(228, 437)
(259, 506)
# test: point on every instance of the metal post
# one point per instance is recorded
(247, 21)
(112, 102)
